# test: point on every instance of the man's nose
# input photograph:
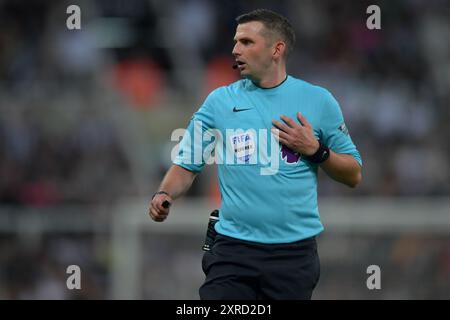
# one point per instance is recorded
(236, 51)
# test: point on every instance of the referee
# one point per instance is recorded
(265, 246)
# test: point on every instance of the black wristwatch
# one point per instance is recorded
(320, 156)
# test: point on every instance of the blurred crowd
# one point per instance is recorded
(39, 271)
(81, 110)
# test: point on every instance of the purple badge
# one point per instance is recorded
(288, 155)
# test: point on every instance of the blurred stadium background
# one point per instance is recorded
(86, 118)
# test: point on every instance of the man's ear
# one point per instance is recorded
(279, 49)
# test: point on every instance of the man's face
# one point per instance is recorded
(252, 51)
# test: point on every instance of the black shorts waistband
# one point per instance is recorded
(303, 243)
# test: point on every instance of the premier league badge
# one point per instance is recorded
(289, 156)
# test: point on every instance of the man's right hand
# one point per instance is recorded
(157, 211)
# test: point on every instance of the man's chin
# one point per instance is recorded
(246, 75)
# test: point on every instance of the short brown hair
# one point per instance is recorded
(273, 22)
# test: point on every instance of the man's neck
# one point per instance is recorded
(273, 79)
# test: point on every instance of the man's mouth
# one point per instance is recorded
(241, 65)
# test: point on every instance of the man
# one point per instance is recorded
(265, 246)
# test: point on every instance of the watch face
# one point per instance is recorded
(325, 153)
(320, 156)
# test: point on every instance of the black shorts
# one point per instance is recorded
(243, 270)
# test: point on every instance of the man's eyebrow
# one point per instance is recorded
(241, 39)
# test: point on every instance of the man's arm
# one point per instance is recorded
(175, 183)
(300, 138)
(343, 168)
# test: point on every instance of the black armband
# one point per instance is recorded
(320, 156)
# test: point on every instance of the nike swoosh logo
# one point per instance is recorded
(239, 110)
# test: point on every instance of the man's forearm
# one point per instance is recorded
(342, 168)
(177, 181)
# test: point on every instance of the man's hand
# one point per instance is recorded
(298, 137)
(159, 207)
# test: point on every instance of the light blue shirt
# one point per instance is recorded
(278, 205)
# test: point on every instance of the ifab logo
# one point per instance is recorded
(374, 280)
(74, 280)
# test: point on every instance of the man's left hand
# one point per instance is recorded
(297, 136)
